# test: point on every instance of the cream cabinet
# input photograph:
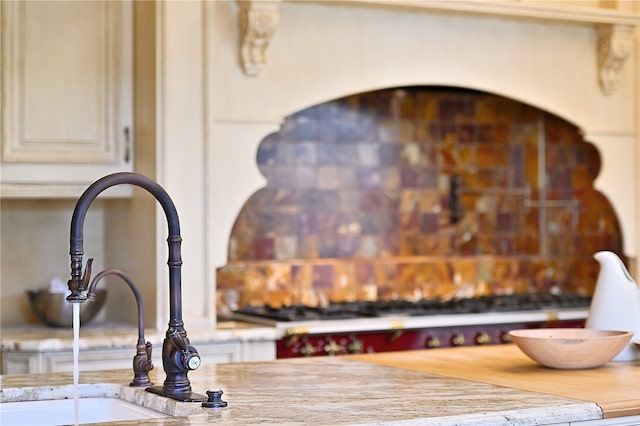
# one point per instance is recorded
(66, 112)
(31, 362)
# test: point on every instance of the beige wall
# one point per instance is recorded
(200, 120)
(35, 249)
(317, 53)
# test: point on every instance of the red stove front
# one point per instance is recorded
(357, 327)
(302, 343)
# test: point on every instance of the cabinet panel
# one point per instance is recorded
(220, 352)
(67, 95)
(259, 351)
(21, 363)
(93, 360)
(18, 362)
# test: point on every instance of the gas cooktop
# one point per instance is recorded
(426, 307)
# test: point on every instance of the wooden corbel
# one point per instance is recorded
(258, 21)
(615, 42)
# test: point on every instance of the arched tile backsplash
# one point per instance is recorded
(419, 192)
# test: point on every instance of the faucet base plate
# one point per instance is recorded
(181, 396)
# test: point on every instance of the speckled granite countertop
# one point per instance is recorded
(105, 336)
(327, 390)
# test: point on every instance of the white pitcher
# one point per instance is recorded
(616, 302)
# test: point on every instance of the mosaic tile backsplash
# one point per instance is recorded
(419, 192)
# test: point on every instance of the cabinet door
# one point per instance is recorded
(22, 363)
(66, 95)
(91, 360)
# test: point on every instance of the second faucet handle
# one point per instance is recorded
(190, 357)
(78, 287)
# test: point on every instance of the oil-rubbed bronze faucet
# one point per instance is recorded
(142, 363)
(178, 356)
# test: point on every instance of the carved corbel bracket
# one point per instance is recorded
(615, 43)
(258, 21)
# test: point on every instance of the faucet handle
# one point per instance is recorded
(79, 287)
(86, 277)
(148, 348)
(148, 365)
(142, 364)
(177, 339)
(190, 357)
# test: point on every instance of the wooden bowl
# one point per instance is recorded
(570, 348)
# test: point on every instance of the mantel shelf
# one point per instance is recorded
(512, 9)
(258, 20)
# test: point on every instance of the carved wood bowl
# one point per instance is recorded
(570, 348)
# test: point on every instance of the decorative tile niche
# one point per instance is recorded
(419, 192)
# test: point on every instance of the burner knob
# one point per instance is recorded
(356, 346)
(483, 338)
(505, 337)
(307, 349)
(432, 342)
(458, 340)
(332, 348)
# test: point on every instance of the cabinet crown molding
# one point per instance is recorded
(258, 21)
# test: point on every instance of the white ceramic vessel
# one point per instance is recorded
(616, 302)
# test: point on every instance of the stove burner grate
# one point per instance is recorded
(298, 312)
(425, 307)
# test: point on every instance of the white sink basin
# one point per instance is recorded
(62, 412)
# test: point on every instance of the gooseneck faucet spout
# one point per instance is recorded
(178, 356)
(142, 363)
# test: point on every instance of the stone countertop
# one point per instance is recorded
(112, 335)
(615, 386)
(333, 390)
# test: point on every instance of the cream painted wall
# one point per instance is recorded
(200, 120)
(170, 147)
(181, 133)
(307, 63)
(317, 54)
(130, 224)
(35, 249)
